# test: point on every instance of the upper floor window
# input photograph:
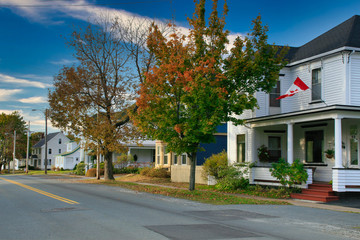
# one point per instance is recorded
(49, 150)
(316, 85)
(59, 150)
(59, 140)
(275, 93)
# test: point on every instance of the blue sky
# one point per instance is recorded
(33, 32)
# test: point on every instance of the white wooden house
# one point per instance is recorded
(304, 126)
(56, 144)
(70, 158)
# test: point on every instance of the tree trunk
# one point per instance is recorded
(192, 171)
(108, 170)
(0, 167)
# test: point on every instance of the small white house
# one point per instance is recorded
(143, 153)
(70, 158)
(304, 126)
(56, 144)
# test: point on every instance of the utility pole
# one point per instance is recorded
(46, 115)
(14, 152)
(46, 162)
(27, 149)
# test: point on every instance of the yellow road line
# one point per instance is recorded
(41, 192)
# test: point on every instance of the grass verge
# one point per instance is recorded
(209, 197)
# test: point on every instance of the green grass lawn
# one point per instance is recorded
(203, 196)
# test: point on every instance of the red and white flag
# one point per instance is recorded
(297, 86)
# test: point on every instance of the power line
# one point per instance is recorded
(77, 5)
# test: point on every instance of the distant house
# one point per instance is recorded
(68, 159)
(304, 126)
(56, 144)
(143, 153)
(179, 165)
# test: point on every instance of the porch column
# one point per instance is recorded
(290, 143)
(338, 143)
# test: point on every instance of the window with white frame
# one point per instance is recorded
(240, 145)
(316, 85)
(158, 155)
(274, 148)
(183, 159)
(165, 155)
(275, 93)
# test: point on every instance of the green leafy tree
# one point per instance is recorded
(91, 99)
(8, 124)
(195, 85)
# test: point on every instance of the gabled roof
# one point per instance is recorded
(346, 34)
(42, 141)
(71, 152)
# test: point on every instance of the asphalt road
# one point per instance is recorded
(44, 207)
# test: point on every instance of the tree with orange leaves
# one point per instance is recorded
(196, 84)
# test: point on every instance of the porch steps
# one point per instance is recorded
(321, 192)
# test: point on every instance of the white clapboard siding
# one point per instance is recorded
(346, 180)
(355, 81)
(333, 82)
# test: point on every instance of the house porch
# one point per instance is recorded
(306, 135)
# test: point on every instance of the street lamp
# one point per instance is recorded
(46, 115)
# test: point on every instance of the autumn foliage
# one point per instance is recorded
(196, 84)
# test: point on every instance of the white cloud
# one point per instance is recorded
(6, 111)
(64, 62)
(23, 82)
(33, 100)
(7, 94)
(83, 10)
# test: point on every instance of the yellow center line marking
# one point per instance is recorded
(41, 192)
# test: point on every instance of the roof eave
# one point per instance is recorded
(345, 48)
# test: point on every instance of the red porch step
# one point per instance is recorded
(321, 192)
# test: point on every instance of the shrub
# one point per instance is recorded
(214, 164)
(230, 179)
(80, 169)
(155, 172)
(53, 168)
(287, 174)
(233, 177)
(129, 169)
(145, 171)
(102, 165)
(92, 172)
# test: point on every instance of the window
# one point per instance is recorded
(158, 155)
(175, 159)
(275, 93)
(59, 150)
(165, 156)
(354, 145)
(39, 162)
(49, 162)
(183, 159)
(77, 159)
(49, 150)
(59, 140)
(316, 85)
(274, 148)
(314, 142)
(240, 144)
